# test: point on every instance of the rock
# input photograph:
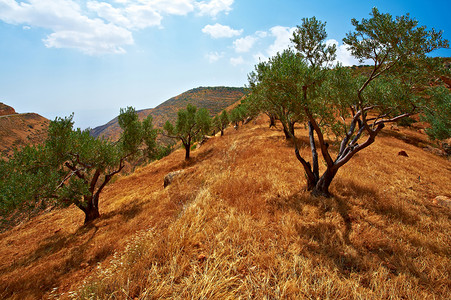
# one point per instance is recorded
(435, 151)
(442, 201)
(394, 127)
(446, 145)
(170, 177)
(403, 153)
(201, 257)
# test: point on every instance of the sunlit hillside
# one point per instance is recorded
(215, 99)
(238, 223)
(18, 130)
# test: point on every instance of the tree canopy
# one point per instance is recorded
(191, 125)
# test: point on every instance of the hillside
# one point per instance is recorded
(238, 223)
(6, 110)
(215, 99)
(18, 130)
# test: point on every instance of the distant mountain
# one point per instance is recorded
(18, 130)
(215, 99)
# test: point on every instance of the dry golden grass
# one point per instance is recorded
(18, 130)
(238, 224)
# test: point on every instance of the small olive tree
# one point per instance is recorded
(221, 122)
(191, 125)
(72, 167)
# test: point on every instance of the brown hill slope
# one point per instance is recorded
(215, 99)
(6, 110)
(18, 130)
(238, 223)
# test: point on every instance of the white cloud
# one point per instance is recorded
(261, 34)
(344, 56)
(214, 7)
(71, 29)
(105, 26)
(142, 16)
(221, 31)
(282, 41)
(214, 56)
(237, 60)
(109, 13)
(244, 44)
(173, 7)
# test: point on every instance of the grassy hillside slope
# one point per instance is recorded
(215, 99)
(238, 223)
(18, 130)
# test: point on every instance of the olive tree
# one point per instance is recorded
(73, 167)
(332, 101)
(221, 121)
(191, 125)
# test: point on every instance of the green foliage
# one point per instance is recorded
(220, 122)
(238, 114)
(309, 41)
(438, 113)
(284, 85)
(385, 40)
(406, 122)
(25, 179)
(163, 151)
(224, 120)
(191, 125)
(72, 167)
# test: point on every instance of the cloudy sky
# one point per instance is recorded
(94, 57)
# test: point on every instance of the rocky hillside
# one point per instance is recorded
(18, 130)
(237, 222)
(215, 99)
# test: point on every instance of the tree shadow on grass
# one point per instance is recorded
(374, 245)
(325, 237)
(195, 158)
(127, 211)
(375, 201)
(30, 282)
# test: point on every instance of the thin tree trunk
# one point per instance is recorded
(311, 179)
(286, 131)
(272, 121)
(315, 168)
(187, 151)
(291, 127)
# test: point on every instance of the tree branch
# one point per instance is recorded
(314, 152)
(394, 119)
(76, 171)
(68, 177)
(323, 144)
(358, 147)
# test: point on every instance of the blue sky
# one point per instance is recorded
(93, 57)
